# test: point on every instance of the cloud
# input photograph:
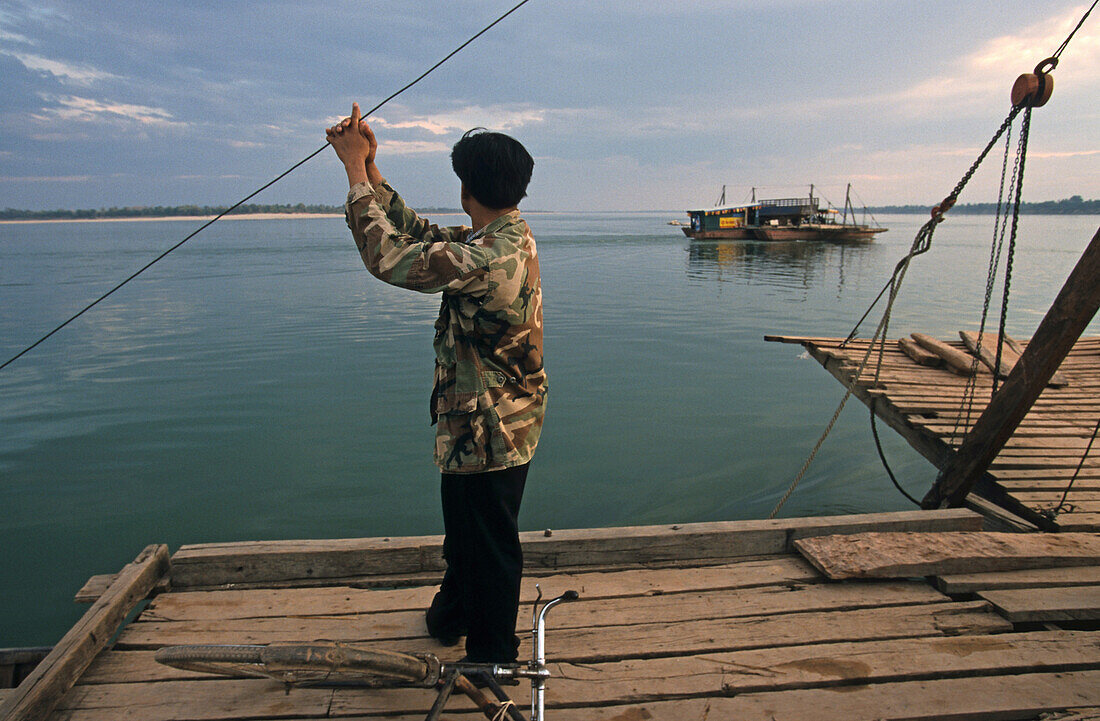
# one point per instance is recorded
(80, 109)
(66, 72)
(47, 178)
(500, 117)
(1063, 154)
(414, 147)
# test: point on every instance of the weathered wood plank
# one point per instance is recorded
(1056, 603)
(957, 583)
(896, 555)
(217, 564)
(337, 600)
(987, 350)
(213, 699)
(724, 674)
(671, 608)
(1079, 521)
(959, 361)
(1023, 696)
(658, 638)
(918, 354)
(648, 640)
(816, 666)
(40, 691)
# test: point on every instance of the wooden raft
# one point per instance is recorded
(1029, 476)
(676, 623)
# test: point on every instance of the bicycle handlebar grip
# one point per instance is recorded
(570, 596)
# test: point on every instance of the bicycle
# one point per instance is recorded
(334, 663)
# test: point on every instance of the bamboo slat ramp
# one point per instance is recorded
(675, 623)
(924, 404)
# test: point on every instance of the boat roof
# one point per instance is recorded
(720, 208)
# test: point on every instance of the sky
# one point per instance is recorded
(625, 104)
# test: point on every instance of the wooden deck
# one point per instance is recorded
(1031, 473)
(676, 623)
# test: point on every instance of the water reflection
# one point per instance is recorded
(801, 263)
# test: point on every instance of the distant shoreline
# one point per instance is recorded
(149, 218)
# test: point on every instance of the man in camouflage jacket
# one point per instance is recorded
(489, 392)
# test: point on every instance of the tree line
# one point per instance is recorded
(162, 211)
(1074, 205)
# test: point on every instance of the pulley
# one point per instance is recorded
(1033, 89)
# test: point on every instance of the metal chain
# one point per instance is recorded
(1021, 158)
(967, 405)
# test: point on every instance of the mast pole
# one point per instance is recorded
(1063, 324)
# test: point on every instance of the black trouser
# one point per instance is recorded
(480, 590)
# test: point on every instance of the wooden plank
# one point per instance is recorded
(1022, 696)
(803, 666)
(958, 583)
(899, 555)
(987, 350)
(39, 692)
(206, 699)
(960, 362)
(919, 355)
(648, 640)
(641, 639)
(1056, 603)
(670, 608)
(816, 666)
(268, 561)
(337, 600)
(1079, 521)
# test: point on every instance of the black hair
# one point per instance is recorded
(494, 167)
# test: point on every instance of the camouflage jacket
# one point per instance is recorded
(490, 387)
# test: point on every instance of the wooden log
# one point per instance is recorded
(958, 361)
(40, 692)
(273, 561)
(902, 555)
(920, 355)
(1055, 603)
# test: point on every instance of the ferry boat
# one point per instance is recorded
(779, 219)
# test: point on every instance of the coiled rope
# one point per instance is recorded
(254, 193)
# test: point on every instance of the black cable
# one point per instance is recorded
(882, 457)
(1080, 465)
(254, 193)
(1079, 24)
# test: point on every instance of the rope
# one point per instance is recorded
(1061, 504)
(504, 710)
(254, 193)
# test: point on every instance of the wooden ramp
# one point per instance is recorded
(924, 404)
(676, 623)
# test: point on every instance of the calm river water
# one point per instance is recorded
(259, 384)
